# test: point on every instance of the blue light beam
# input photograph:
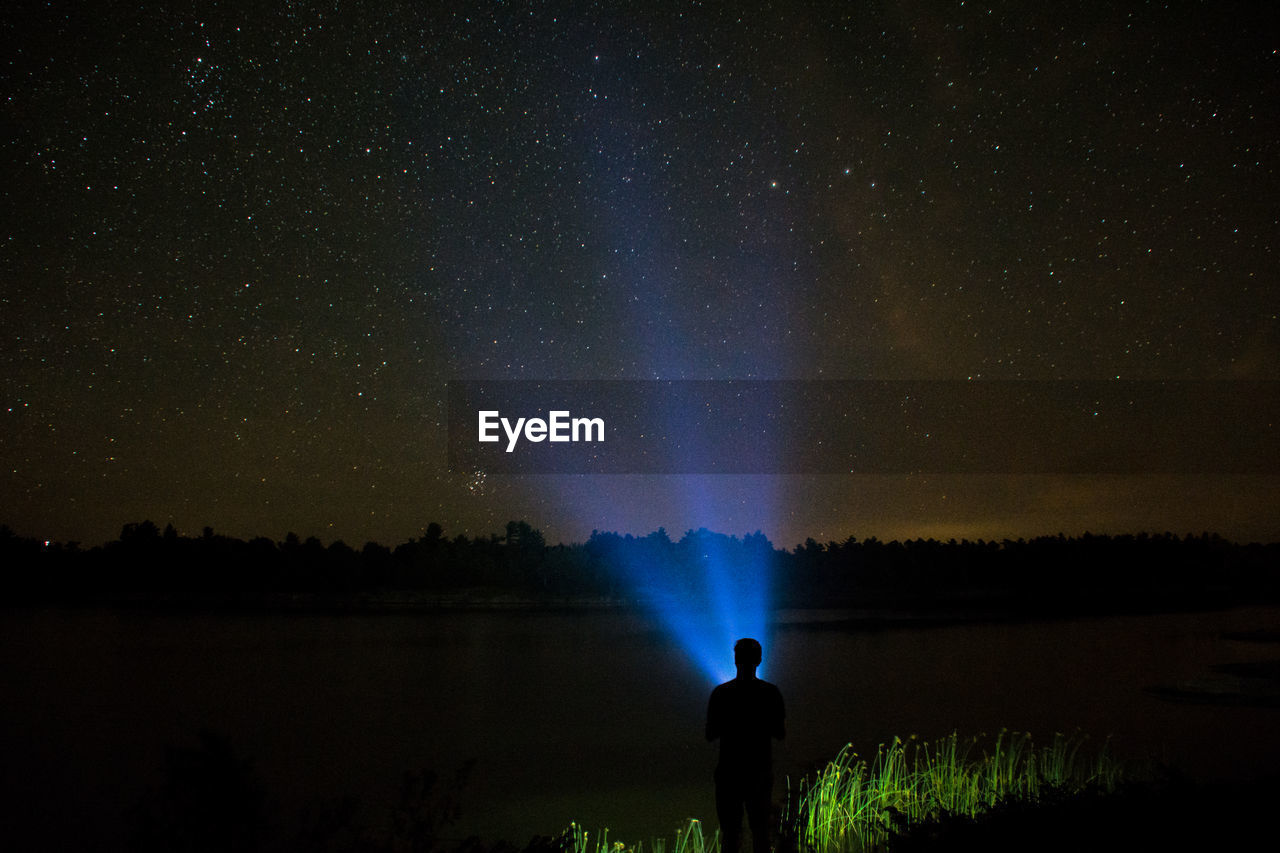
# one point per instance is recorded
(707, 591)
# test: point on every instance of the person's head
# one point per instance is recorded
(747, 655)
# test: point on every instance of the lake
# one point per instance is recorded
(594, 717)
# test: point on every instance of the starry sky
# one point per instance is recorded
(246, 245)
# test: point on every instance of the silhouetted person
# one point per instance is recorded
(745, 714)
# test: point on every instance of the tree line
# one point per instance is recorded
(1046, 574)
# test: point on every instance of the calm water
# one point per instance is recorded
(594, 718)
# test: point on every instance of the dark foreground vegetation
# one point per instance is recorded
(1167, 815)
(1088, 573)
(212, 799)
(1060, 799)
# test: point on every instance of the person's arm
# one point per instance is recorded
(780, 718)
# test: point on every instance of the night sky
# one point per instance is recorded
(245, 246)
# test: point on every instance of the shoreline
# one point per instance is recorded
(869, 614)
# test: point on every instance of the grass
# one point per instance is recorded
(854, 804)
(689, 839)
